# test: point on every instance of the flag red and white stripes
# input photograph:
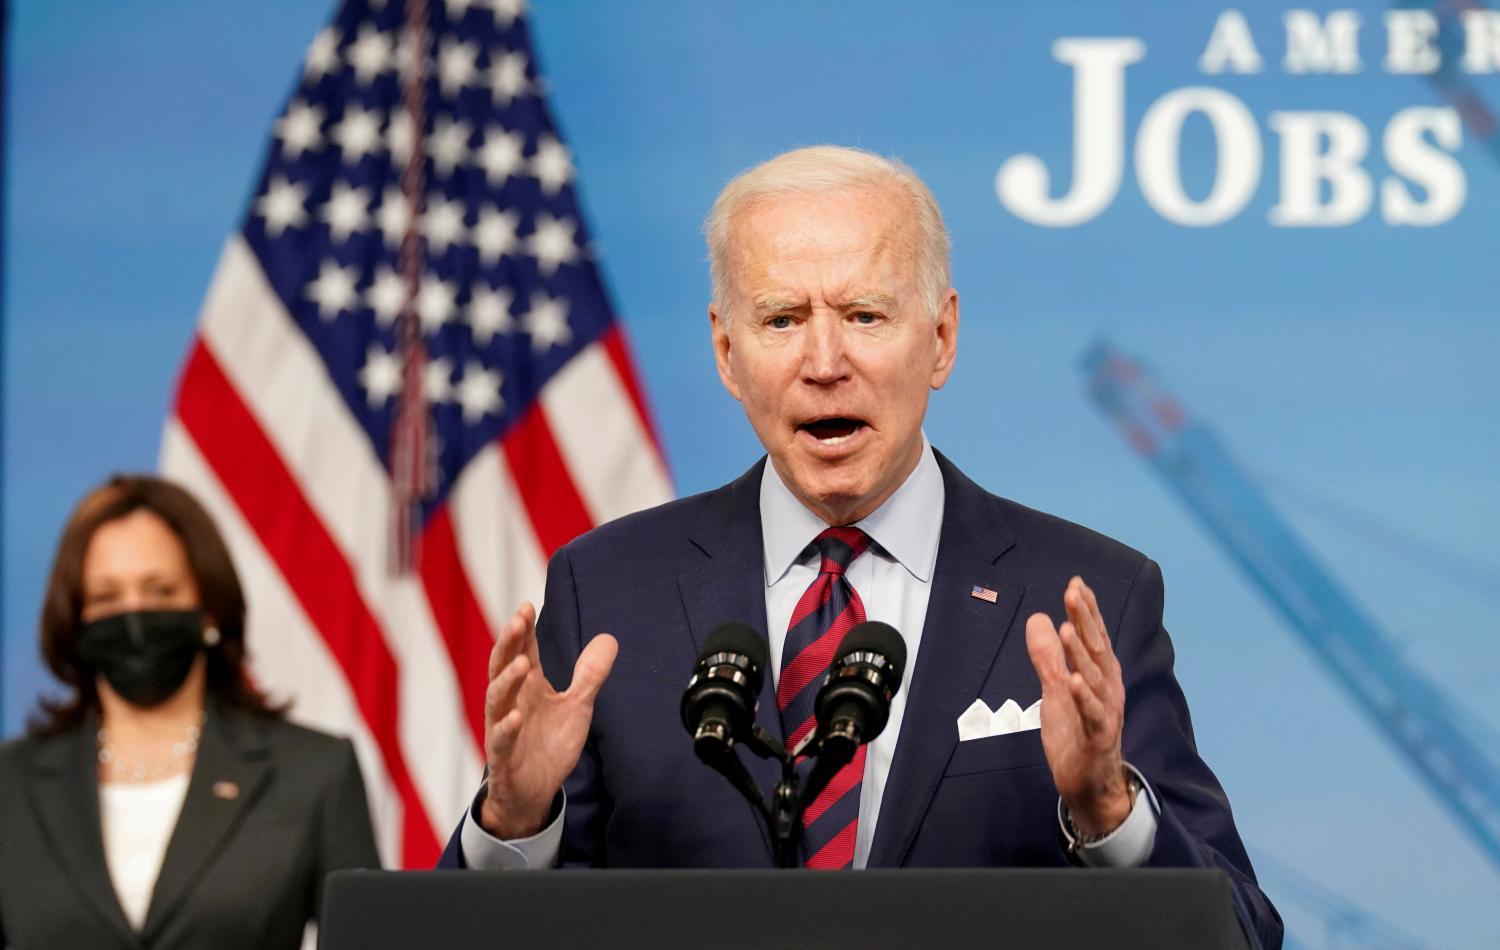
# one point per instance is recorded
(277, 423)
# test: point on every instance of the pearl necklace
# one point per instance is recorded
(138, 773)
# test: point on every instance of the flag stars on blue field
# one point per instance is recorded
(393, 216)
(371, 54)
(547, 322)
(300, 130)
(399, 137)
(501, 155)
(346, 211)
(448, 145)
(505, 290)
(456, 66)
(375, 51)
(357, 134)
(436, 302)
(552, 243)
(437, 380)
(507, 78)
(380, 377)
(386, 295)
(322, 54)
(478, 392)
(489, 313)
(495, 234)
(284, 205)
(443, 224)
(551, 164)
(505, 11)
(333, 289)
(403, 57)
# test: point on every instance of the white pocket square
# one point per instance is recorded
(980, 722)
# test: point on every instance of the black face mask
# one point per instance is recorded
(145, 654)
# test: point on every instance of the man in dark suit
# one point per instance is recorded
(833, 318)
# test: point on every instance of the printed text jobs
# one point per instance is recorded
(1322, 180)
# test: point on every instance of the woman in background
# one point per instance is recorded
(164, 803)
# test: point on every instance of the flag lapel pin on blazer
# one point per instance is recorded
(984, 594)
(228, 791)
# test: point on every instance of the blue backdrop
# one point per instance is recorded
(1348, 365)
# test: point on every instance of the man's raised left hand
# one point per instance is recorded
(1083, 711)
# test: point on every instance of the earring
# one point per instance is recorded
(211, 636)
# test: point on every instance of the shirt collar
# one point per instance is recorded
(907, 526)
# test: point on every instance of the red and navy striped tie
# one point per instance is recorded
(824, 614)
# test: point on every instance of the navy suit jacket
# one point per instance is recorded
(662, 579)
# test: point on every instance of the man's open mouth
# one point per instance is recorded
(834, 430)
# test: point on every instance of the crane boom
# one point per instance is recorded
(1425, 727)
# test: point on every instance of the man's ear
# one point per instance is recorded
(720, 326)
(946, 332)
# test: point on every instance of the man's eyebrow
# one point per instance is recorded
(770, 303)
(870, 301)
(774, 303)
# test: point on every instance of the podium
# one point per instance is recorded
(1072, 908)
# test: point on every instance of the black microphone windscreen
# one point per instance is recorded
(736, 638)
(872, 636)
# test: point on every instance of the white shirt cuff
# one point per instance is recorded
(482, 851)
(1128, 846)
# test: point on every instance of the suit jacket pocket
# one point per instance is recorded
(1013, 751)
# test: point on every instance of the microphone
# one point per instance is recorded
(718, 706)
(855, 702)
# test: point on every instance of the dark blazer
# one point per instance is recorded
(662, 579)
(271, 808)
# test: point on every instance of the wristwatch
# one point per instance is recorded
(1078, 840)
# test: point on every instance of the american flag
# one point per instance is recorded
(407, 389)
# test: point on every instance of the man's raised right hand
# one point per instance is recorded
(533, 734)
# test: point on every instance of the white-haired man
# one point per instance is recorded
(833, 317)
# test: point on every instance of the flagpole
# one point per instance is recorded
(410, 457)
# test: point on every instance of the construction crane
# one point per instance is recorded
(1450, 79)
(1427, 729)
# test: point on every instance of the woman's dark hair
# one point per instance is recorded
(207, 558)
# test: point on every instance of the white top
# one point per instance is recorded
(137, 822)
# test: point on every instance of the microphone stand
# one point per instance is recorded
(784, 814)
(784, 817)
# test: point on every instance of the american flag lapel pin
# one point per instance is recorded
(984, 594)
(228, 791)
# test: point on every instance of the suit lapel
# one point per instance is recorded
(65, 794)
(729, 585)
(960, 638)
(232, 766)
